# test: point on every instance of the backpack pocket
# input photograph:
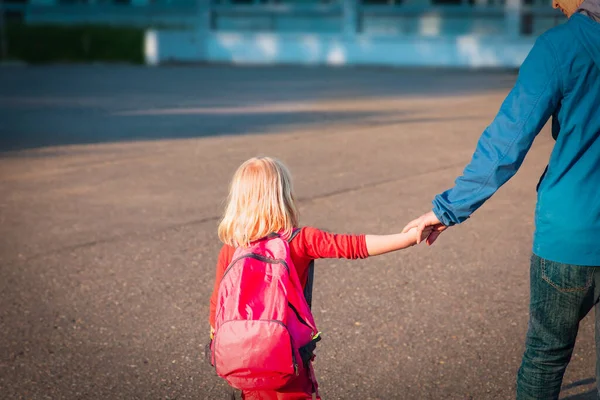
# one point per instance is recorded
(255, 354)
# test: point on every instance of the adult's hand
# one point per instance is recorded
(426, 220)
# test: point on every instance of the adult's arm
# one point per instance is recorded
(505, 142)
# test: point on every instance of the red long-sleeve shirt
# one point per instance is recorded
(310, 244)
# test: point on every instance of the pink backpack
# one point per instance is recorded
(264, 329)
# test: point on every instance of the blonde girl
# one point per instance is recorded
(261, 201)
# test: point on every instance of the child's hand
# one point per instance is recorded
(424, 235)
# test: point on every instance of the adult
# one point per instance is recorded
(560, 78)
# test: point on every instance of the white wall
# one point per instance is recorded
(466, 51)
(340, 33)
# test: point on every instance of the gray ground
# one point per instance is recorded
(112, 180)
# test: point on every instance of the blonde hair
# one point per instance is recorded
(261, 201)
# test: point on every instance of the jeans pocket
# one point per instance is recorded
(567, 277)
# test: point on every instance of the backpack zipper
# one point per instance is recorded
(303, 322)
(257, 257)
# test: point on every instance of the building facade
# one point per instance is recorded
(455, 33)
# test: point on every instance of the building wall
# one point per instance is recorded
(469, 33)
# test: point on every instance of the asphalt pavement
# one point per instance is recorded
(112, 181)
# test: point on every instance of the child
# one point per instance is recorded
(261, 201)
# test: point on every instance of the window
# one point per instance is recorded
(483, 3)
(447, 2)
(382, 2)
(263, 2)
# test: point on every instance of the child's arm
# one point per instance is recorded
(380, 244)
(319, 244)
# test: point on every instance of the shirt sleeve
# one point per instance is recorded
(223, 262)
(503, 145)
(319, 244)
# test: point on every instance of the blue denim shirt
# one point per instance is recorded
(559, 78)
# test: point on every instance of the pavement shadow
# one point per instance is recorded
(83, 127)
(588, 395)
(64, 105)
(47, 130)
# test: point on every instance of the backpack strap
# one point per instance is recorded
(295, 233)
(308, 289)
(307, 351)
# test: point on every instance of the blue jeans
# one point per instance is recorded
(561, 295)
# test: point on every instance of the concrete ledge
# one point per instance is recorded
(313, 49)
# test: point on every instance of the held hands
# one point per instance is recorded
(427, 227)
(381, 244)
(413, 232)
